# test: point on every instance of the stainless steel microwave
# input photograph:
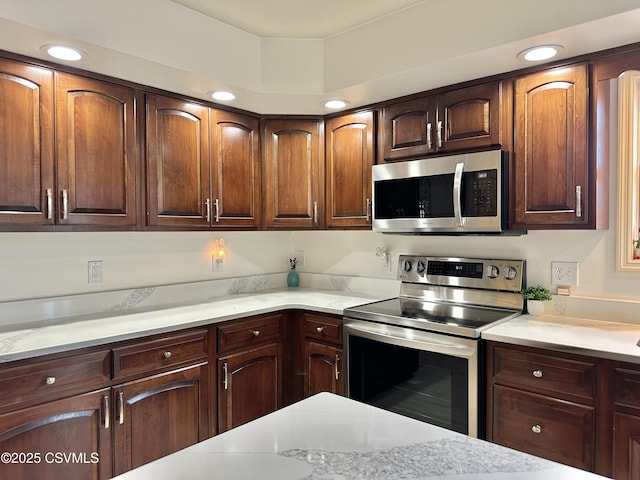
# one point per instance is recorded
(457, 194)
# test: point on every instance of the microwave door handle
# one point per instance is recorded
(457, 194)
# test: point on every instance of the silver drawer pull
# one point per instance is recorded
(255, 333)
(166, 354)
(536, 429)
(537, 373)
(319, 329)
(50, 380)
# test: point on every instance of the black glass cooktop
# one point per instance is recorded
(444, 317)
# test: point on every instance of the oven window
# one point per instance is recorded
(427, 386)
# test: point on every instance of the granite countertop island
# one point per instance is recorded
(328, 437)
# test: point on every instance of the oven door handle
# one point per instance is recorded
(467, 348)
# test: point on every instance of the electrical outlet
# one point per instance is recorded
(94, 268)
(564, 273)
(217, 264)
(300, 258)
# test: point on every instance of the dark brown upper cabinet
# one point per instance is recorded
(96, 152)
(551, 183)
(348, 161)
(461, 119)
(236, 174)
(93, 181)
(26, 145)
(203, 167)
(293, 174)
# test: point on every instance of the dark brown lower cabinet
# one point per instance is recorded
(324, 369)
(626, 447)
(544, 426)
(64, 439)
(159, 415)
(249, 386)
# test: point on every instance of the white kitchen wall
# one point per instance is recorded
(35, 265)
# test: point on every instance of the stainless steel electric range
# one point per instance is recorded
(420, 354)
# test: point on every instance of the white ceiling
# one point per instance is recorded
(296, 18)
(287, 56)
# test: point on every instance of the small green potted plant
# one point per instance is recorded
(535, 297)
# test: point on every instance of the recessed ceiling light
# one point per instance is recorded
(62, 52)
(223, 95)
(539, 53)
(336, 103)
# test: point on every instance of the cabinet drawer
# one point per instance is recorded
(160, 354)
(543, 373)
(250, 332)
(627, 390)
(47, 380)
(323, 328)
(554, 429)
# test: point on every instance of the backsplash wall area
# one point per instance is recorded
(34, 265)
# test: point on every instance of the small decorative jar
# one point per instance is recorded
(292, 279)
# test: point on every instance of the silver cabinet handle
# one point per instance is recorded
(49, 194)
(217, 207)
(224, 376)
(255, 333)
(65, 204)
(166, 354)
(578, 201)
(368, 209)
(207, 206)
(121, 408)
(536, 429)
(50, 380)
(457, 193)
(439, 133)
(106, 411)
(429, 134)
(337, 361)
(537, 373)
(319, 329)
(315, 212)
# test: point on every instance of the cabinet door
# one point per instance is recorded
(551, 151)
(26, 144)
(97, 152)
(178, 164)
(349, 158)
(626, 447)
(236, 170)
(470, 118)
(249, 385)
(407, 129)
(324, 369)
(159, 415)
(544, 426)
(71, 438)
(293, 195)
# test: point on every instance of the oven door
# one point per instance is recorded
(423, 375)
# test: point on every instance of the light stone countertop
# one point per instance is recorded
(328, 437)
(596, 338)
(107, 327)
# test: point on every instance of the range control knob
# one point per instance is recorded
(509, 273)
(420, 268)
(407, 266)
(493, 271)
